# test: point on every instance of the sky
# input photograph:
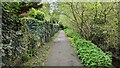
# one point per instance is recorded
(52, 6)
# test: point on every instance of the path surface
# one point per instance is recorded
(61, 53)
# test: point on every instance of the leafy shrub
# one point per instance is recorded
(98, 36)
(90, 55)
(32, 12)
(69, 32)
(40, 15)
(37, 14)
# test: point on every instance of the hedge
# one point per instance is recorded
(26, 41)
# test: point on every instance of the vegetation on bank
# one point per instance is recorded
(98, 22)
(90, 55)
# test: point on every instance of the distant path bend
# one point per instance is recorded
(61, 53)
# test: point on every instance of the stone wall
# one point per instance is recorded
(24, 43)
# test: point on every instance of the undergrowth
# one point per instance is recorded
(89, 54)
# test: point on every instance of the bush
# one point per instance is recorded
(69, 32)
(32, 12)
(40, 15)
(37, 14)
(90, 55)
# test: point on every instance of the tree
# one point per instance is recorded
(95, 21)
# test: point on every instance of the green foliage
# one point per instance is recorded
(11, 32)
(25, 57)
(21, 38)
(69, 32)
(90, 55)
(40, 15)
(98, 35)
(96, 21)
(32, 12)
(26, 6)
(37, 14)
